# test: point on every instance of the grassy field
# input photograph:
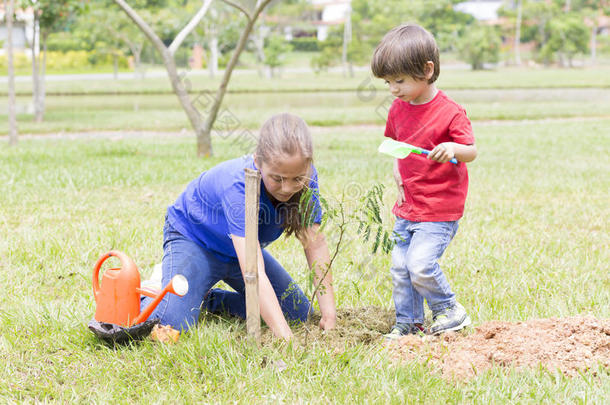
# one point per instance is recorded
(323, 100)
(244, 81)
(163, 112)
(533, 243)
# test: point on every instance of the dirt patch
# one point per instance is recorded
(354, 326)
(570, 345)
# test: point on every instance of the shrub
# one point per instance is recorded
(276, 48)
(63, 42)
(479, 45)
(58, 61)
(305, 44)
(20, 61)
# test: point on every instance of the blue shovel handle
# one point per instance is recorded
(427, 152)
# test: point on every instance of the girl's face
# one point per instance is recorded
(285, 176)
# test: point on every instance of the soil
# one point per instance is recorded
(354, 326)
(570, 345)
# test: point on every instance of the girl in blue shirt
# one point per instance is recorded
(204, 234)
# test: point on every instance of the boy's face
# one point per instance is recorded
(408, 89)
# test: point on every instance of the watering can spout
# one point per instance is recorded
(178, 286)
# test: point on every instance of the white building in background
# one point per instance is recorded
(329, 13)
(482, 10)
(23, 30)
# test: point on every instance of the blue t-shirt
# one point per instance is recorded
(213, 207)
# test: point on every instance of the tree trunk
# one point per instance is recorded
(115, 66)
(594, 44)
(204, 146)
(170, 65)
(12, 114)
(137, 60)
(203, 137)
(347, 37)
(259, 44)
(518, 33)
(35, 75)
(213, 61)
(136, 52)
(41, 84)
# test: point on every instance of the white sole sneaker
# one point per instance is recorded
(461, 326)
(154, 282)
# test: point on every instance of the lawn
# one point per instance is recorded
(244, 81)
(328, 99)
(533, 243)
(162, 112)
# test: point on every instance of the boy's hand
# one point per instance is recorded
(443, 152)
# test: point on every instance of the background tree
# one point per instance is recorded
(480, 45)
(202, 127)
(111, 32)
(12, 114)
(372, 20)
(276, 48)
(219, 35)
(49, 16)
(445, 23)
(568, 36)
(592, 11)
(518, 21)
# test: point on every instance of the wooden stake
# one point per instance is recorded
(253, 317)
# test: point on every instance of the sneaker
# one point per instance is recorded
(449, 319)
(154, 282)
(403, 329)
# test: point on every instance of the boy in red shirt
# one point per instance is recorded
(431, 192)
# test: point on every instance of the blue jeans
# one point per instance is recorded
(415, 271)
(203, 269)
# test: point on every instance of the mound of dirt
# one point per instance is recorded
(569, 345)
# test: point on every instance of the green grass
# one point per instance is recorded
(533, 243)
(249, 81)
(163, 113)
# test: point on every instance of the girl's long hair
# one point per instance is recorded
(287, 135)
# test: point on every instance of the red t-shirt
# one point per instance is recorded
(433, 191)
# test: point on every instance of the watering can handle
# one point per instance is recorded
(96, 270)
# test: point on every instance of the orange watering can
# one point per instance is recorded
(118, 298)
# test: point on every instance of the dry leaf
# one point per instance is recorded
(164, 334)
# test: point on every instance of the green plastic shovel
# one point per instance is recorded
(401, 150)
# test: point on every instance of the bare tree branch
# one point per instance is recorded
(146, 29)
(232, 62)
(189, 27)
(240, 8)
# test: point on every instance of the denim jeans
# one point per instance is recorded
(415, 271)
(203, 270)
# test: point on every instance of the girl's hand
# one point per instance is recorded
(443, 152)
(328, 322)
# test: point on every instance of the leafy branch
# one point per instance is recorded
(367, 216)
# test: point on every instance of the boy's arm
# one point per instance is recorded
(444, 152)
(398, 180)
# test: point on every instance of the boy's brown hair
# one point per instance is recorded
(405, 50)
